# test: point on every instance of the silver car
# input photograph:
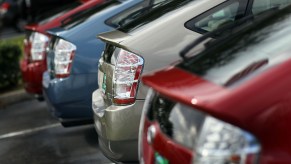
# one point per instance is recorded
(148, 43)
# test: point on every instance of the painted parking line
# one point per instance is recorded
(28, 131)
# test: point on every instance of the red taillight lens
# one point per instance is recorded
(127, 72)
(39, 44)
(64, 54)
(5, 6)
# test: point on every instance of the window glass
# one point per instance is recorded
(153, 12)
(135, 12)
(219, 18)
(260, 6)
(158, 1)
(242, 55)
(87, 14)
(125, 16)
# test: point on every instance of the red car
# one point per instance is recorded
(36, 42)
(229, 103)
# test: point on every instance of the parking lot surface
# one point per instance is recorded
(29, 135)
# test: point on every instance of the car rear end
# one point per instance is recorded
(223, 105)
(34, 62)
(72, 61)
(172, 130)
(36, 43)
(59, 82)
(120, 104)
(117, 104)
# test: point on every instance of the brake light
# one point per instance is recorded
(220, 142)
(39, 43)
(64, 54)
(5, 6)
(127, 72)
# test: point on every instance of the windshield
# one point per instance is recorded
(156, 10)
(254, 49)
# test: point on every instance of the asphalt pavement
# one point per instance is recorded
(8, 32)
(30, 135)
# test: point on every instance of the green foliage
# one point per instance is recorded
(10, 54)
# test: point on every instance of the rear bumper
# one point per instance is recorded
(117, 128)
(117, 151)
(32, 76)
(69, 99)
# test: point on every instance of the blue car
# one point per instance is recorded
(73, 56)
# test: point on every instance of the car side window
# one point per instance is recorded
(217, 17)
(260, 6)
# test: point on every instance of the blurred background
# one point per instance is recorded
(14, 15)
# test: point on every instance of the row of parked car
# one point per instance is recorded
(169, 81)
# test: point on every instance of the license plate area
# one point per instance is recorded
(103, 84)
(160, 159)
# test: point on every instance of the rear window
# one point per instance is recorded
(133, 13)
(82, 16)
(260, 6)
(234, 59)
(230, 11)
(156, 10)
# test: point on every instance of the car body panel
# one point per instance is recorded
(158, 41)
(32, 70)
(258, 102)
(145, 42)
(32, 75)
(89, 49)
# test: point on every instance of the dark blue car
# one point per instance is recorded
(73, 59)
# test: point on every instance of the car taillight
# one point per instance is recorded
(220, 142)
(128, 69)
(64, 54)
(39, 43)
(5, 6)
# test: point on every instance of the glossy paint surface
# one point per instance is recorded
(32, 70)
(258, 101)
(83, 77)
(145, 42)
